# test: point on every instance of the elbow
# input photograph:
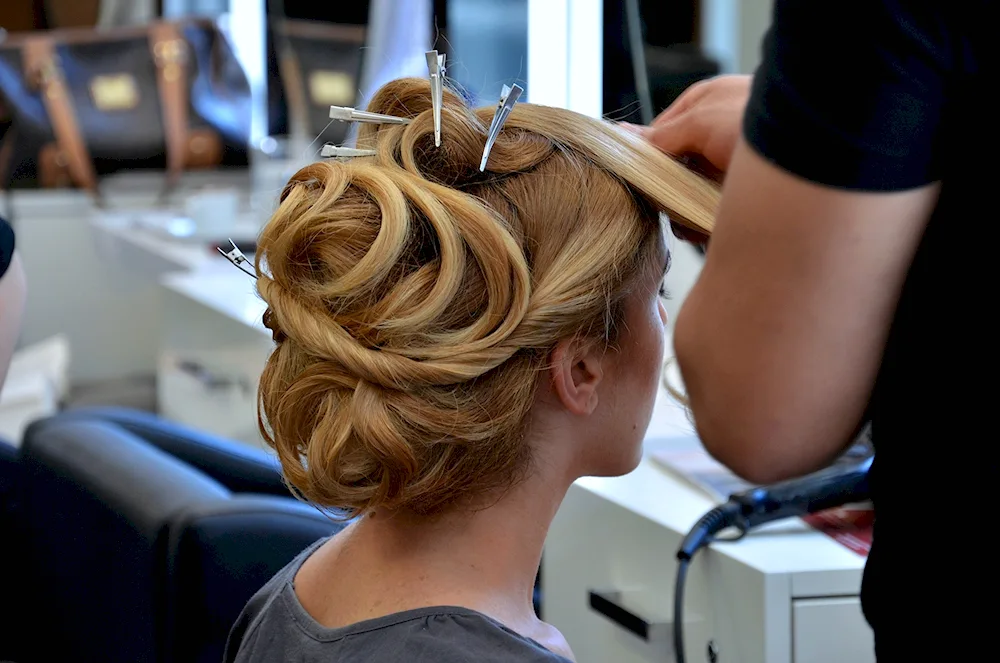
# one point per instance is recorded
(731, 415)
(746, 448)
(747, 458)
(762, 449)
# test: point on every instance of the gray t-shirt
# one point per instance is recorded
(275, 627)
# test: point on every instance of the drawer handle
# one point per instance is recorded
(609, 605)
(213, 381)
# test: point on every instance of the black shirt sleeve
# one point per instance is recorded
(6, 246)
(851, 93)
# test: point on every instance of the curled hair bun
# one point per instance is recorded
(367, 268)
(413, 298)
(456, 162)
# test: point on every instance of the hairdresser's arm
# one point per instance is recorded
(12, 295)
(781, 338)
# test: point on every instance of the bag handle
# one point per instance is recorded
(170, 53)
(290, 70)
(41, 64)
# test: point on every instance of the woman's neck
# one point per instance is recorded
(485, 559)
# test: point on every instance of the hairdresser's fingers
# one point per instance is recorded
(685, 101)
(721, 92)
(703, 167)
(637, 129)
(705, 120)
(683, 135)
(688, 99)
(710, 134)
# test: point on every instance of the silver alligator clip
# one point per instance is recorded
(436, 70)
(347, 114)
(236, 257)
(508, 97)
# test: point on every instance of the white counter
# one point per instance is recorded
(784, 594)
(223, 289)
(140, 240)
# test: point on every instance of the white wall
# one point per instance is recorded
(731, 31)
(565, 58)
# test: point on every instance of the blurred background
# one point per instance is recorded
(136, 136)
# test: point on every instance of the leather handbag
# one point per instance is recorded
(84, 102)
(320, 66)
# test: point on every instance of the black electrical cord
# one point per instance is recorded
(844, 482)
(702, 534)
(679, 580)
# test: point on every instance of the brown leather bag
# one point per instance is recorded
(85, 102)
(320, 66)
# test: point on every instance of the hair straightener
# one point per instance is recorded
(843, 483)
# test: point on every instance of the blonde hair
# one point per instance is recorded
(414, 299)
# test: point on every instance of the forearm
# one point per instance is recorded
(12, 298)
(762, 408)
(780, 340)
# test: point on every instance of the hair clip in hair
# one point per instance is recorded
(508, 97)
(347, 114)
(236, 257)
(335, 151)
(436, 69)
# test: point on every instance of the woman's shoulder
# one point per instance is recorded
(440, 634)
(275, 625)
(461, 634)
(553, 640)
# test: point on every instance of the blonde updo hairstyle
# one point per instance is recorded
(414, 300)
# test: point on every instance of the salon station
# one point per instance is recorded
(137, 492)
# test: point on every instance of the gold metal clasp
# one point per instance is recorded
(170, 56)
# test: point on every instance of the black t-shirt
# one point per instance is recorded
(6, 246)
(884, 96)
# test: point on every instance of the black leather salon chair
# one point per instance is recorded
(9, 534)
(143, 540)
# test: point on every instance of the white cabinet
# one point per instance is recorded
(819, 627)
(787, 595)
(212, 353)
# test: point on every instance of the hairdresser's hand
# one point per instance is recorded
(704, 124)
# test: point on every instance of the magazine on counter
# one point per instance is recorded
(692, 464)
(850, 525)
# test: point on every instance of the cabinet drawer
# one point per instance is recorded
(211, 392)
(831, 630)
(607, 585)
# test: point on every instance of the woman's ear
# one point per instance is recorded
(576, 370)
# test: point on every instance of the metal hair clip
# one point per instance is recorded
(236, 257)
(436, 69)
(508, 97)
(335, 151)
(347, 114)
